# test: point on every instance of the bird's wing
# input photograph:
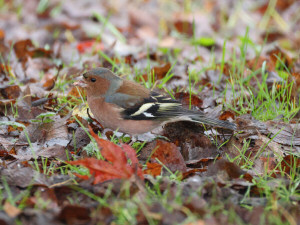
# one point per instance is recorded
(138, 103)
(160, 107)
(154, 107)
(128, 95)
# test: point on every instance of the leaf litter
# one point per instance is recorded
(177, 179)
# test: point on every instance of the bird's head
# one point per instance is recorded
(99, 81)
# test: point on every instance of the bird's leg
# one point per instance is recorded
(223, 135)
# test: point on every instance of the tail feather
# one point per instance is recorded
(213, 122)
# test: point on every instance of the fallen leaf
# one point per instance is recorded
(232, 171)
(11, 211)
(88, 46)
(184, 27)
(289, 163)
(115, 167)
(169, 155)
(74, 214)
(153, 169)
(186, 99)
(10, 92)
(227, 114)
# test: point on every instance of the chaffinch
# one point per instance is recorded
(133, 109)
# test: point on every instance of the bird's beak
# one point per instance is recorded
(81, 83)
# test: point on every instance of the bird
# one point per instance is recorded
(133, 109)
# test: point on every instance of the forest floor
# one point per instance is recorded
(233, 60)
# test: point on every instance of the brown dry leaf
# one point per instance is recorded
(40, 52)
(153, 169)
(272, 36)
(256, 63)
(74, 214)
(169, 155)
(194, 145)
(269, 164)
(226, 115)
(271, 144)
(48, 81)
(186, 99)
(278, 53)
(77, 92)
(23, 177)
(192, 172)
(290, 162)
(51, 133)
(55, 151)
(296, 75)
(25, 48)
(201, 163)
(21, 48)
(2, 35)
(159, 72)
(11, 211)
(6, 69)
(10, 92)
(226, 69)
(281, 5)
(184, 27)
(6, 143)
(232, 171)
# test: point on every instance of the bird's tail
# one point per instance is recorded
(199, 118)
(213, 122)
(202, 118)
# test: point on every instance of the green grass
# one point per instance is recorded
(263, 102)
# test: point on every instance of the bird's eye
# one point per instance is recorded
(93, 79)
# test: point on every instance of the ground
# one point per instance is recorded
(233, 60)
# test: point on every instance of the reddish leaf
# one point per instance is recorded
(184, 98)
(153, 169)
(82, 46)
(116, 166)
(85, 46)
